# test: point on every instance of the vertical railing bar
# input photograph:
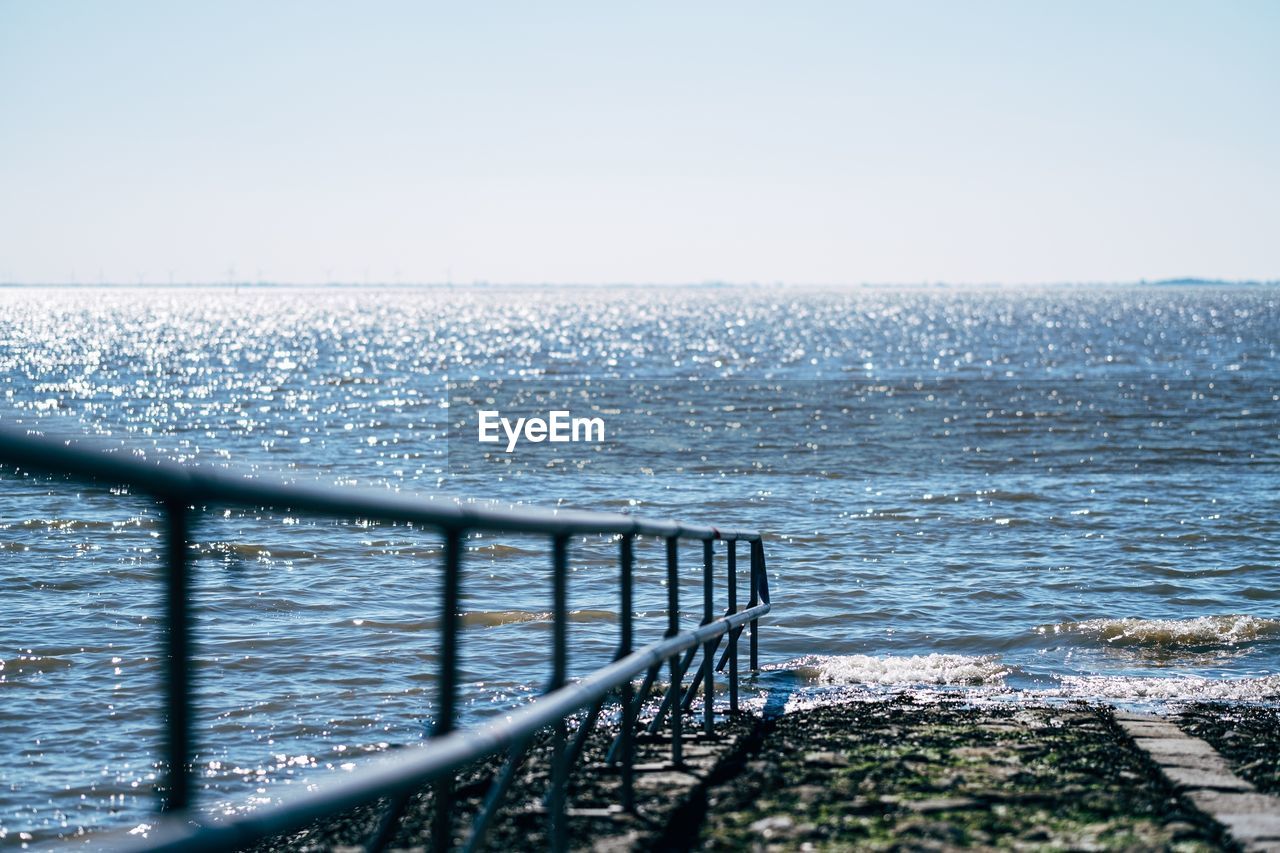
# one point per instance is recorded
(724, 657)
(755, 599)
(556, 829)
(626, 557)
(579, 743)
(764, 575)
(709, 654)
(637, 703)
(695, 685)
(673, 628)
(388, 825)
(646, 687)
(625, 560)
(699, 679)
(178, 786)
(493, 798)
(681, 670)
(733, 635)
(446, 716)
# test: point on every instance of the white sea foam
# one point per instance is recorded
(1200, 632)
(1157, 689)
(986, 676)
(888, 670)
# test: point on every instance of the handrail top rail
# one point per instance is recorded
(166, 479)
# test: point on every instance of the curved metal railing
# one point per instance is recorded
(180, 489)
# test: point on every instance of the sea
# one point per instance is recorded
(1027, 494)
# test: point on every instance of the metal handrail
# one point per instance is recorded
(178, 487)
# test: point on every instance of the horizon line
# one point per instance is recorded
(1187, 281)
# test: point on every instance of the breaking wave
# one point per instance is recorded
(1201, 632)
(1156, 689)
(937, 669)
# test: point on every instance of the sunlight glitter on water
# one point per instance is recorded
(1073, 488)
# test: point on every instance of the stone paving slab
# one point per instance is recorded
(1192, 779)
(1151, 729)
(1251, 818)
(1190, 750)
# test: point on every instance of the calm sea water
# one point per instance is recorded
(1056, 493)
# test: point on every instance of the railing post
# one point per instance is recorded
(627, 559)
(178, 789)
(733, 635)
(709, 647)
(673, 628)
(756, 548)
(446, 717)
(557, 830)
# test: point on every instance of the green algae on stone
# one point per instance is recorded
(901, 774)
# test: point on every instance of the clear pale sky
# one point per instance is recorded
(839, 142)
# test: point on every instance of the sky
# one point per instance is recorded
(807, 142)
